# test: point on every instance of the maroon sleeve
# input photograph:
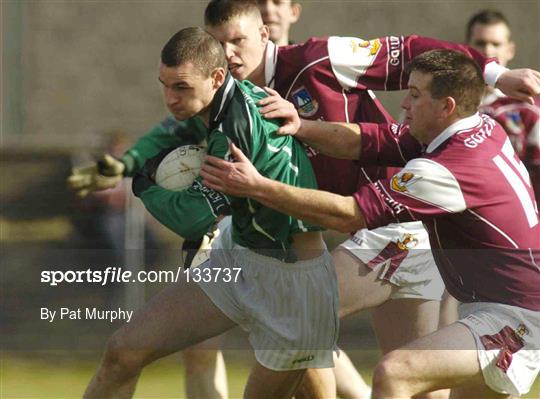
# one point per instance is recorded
(387, 144)
(379, 64)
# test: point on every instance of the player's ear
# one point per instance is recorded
(218, 77)
(449, 107)
(264, 30)
(296, 10)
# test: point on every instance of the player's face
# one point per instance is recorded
(186, 91)
(493, 41)
(244, 40)
(279, 15)
(422, 111)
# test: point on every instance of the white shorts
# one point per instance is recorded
(402, 254)
(508, 344)
(290, 310)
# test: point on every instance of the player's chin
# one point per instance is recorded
(238, 72)
(182, 115)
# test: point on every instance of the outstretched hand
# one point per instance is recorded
(96, 176)
(522, 84)
(274, 106)
(238, 178)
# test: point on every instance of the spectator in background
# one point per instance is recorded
(279, 15)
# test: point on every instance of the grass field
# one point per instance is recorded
(59, 376)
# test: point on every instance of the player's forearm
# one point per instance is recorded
(336, 139)
(317, 207)
(146, 147)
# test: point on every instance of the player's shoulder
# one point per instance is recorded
(430, 181)
(252, 93)
(311, 50)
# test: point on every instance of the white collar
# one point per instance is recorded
(462, 124)
(270, 64)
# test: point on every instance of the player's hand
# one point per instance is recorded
(101, 175)
(238, 178)
(522, 84)
(274, 106)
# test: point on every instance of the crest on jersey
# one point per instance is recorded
(402, 181)
(306, 105)
(373, 46)
(521, 330)
(408, 241)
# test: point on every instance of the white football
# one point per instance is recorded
(180, 167)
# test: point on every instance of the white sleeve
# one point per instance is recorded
(351, 57)
(431, 183)
(492, 72)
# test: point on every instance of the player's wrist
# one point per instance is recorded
(129, 164)
(262, 189)
(303, 128)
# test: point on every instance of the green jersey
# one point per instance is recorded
(234, 117)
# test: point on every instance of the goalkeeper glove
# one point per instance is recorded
(101, 175)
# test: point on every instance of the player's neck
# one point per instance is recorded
(283, 41)
(205, 117)
(258, 76)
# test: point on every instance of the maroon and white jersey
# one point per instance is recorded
(331, 79)
(521, 121)
(475, 198)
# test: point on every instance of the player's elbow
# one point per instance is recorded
(192, 230)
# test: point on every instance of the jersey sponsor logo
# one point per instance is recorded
(373, 46)
(306, 105)
(217, 201)
(394, 51)
(402, 181)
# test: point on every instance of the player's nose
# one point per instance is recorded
(229, 51)
(405, 102)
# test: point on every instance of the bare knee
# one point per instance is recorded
(199, 360)
(122, 360)
(390, 376)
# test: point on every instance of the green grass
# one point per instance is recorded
(60, 376)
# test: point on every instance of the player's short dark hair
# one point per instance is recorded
(219, 12)
(485, 17)
(196, 46)
(453, 75)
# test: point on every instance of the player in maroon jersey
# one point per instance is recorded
(488, 31)
(329, 79)
(464, 181)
